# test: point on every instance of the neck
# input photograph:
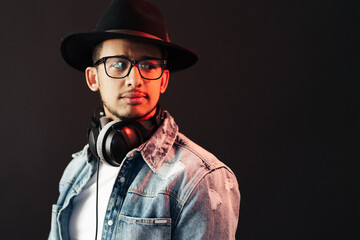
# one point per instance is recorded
(148, 116)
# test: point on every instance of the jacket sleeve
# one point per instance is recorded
(212, 209)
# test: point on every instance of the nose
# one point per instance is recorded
(134, 78)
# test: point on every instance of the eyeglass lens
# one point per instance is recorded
(118, 67)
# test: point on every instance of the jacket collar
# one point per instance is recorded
(156, 148)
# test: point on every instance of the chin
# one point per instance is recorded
(128, 112)
(133, 114)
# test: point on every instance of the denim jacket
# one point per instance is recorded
(174, 189)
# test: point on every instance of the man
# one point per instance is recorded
(139, 178)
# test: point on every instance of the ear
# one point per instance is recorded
(164, 81)
(92, 78)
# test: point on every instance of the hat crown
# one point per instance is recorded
(134, 15)
(126, 19)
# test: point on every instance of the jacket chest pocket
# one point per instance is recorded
(143, 228)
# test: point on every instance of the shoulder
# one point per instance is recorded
(79, 161)
(198, 153)
(170, 148)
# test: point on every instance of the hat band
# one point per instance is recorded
(137, 33)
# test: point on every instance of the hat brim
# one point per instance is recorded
(76, 49)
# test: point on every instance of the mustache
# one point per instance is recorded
(133, 94)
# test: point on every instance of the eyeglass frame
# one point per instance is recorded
(132, 62)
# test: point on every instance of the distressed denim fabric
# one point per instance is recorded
(174, 189)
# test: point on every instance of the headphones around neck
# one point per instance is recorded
(112, 140)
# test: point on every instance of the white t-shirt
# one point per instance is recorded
(82, 225)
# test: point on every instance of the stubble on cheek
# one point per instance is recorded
(113, 109)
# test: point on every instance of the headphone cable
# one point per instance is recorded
(97, 200)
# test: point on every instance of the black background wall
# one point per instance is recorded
(275, 96)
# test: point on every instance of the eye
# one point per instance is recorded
(148, 65)
(119, 65)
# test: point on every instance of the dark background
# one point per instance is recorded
(275, 96)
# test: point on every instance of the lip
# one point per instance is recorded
(133, 97)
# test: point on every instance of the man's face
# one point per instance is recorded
(133, 96)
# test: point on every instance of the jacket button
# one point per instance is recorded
(122, 179)
(110, 222)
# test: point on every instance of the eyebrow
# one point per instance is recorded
(145, 57)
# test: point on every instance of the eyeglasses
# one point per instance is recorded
(120, 67)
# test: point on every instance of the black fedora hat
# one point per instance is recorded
(126, 19)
